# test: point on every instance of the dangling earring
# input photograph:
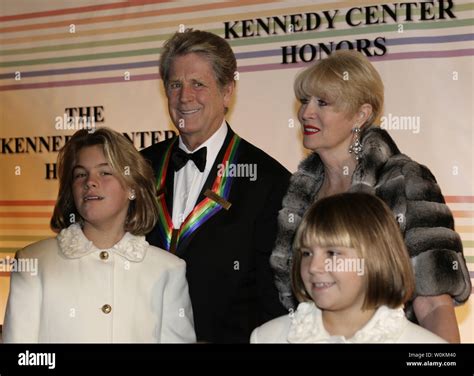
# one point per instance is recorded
(356, 146)
(132, 196)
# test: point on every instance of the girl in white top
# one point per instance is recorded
(351, 274)
(99, 280)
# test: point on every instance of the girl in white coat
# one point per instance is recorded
(351, 274)
(99, 280)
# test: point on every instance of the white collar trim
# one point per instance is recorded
(385, 326)
(74, 244)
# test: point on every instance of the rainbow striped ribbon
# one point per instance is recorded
(204, 210)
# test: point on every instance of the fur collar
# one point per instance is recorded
(73, 244)
(377, 148)
(385, 326)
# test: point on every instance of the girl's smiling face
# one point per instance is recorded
(330, 278)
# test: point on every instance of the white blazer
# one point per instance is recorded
(387, 325)
(132, 292)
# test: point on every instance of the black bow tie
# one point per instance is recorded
(180, 158)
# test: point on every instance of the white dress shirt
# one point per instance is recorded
(188, 181)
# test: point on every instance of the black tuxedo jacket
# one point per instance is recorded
(230, 281)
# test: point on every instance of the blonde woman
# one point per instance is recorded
(341, 98)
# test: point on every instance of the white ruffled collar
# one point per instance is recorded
(74, 244)
(385, 326)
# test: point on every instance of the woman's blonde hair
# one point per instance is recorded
(365, 223)
(346, 78)
(129, 167)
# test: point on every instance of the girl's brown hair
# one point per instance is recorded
(130, 168)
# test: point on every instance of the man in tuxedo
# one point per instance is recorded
(219, 196)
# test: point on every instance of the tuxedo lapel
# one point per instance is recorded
(213, 173)
(169, 184)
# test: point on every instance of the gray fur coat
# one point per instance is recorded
(415, 198)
